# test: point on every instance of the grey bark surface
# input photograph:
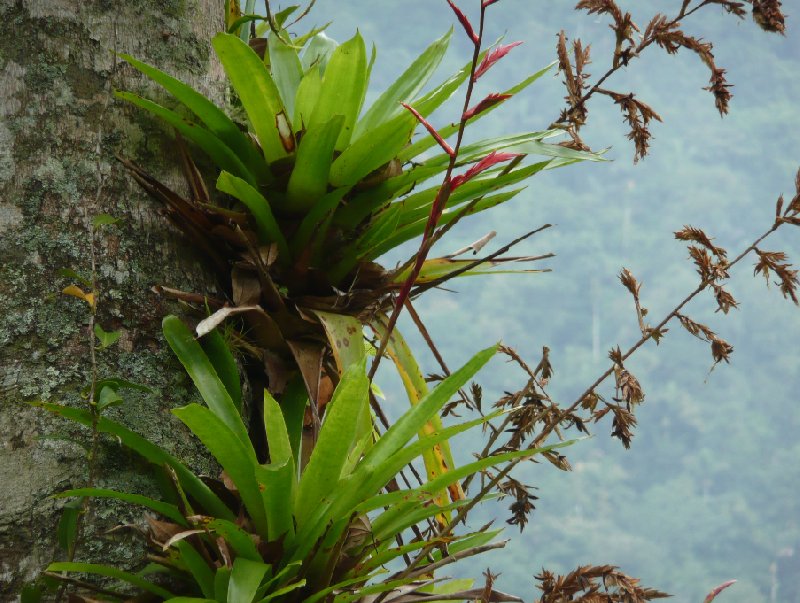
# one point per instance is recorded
(59, 129)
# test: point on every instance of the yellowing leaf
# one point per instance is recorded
(75, 291)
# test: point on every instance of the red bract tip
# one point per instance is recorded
(486, 3)
(492, 57)
(712, 595)
(491, 159)
(462, 18)
(431, 130)
(491, 100)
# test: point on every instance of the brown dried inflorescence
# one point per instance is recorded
(594, 584)
(663, 31)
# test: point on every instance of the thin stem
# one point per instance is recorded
(614, 68)
(492, 483)
(436, 209)
(675, 311)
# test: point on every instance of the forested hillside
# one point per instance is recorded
(708, 490)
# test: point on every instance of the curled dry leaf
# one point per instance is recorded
(721, 350)
(207, 325)
(690, 233)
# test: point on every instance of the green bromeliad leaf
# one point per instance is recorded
(318, 52)
(306, 99)
(426, 142)
(110, 572)
(212, 116)
(237, 458)
(405, 88)
(268, 228)
(343, 86)
(260, 98)
(193, 485)
(285, 67)
(336, 438)
(368, 153)
(309, 179)
(205, 378)
(217, 150)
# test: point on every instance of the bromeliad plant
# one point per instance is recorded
(321, 530)
(312, 190)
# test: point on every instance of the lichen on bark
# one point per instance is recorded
(59, 130)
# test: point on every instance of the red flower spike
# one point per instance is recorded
(713, 594)
(462, 18)
(484, 164)
(490, 101)
(431, 130)
(486, 3)
(492, 57)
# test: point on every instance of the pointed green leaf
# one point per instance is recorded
(368, 153)
(414, 420)
(258, 93)
(217, 150)
(246, 576)
(278, 478)
(167, 510)
(284, 64)
(306, 99)
(317, 220)
(268, 229)
(110, 572)
(104, 220)
(404, 88)
(67, 529)
(224, 364)
(205, 378)
(277, 484)
(367, 202)
(212, 116)
(293, 406)
(237, 458)
(106, 338)
(426, 142)
(191, 483)
(221, 580)
(239, 540)
(197, 566)
(414, 229)
(346, 337)
(309, 180)
(280, 449)
(283, 591)
(345, 499)
(343, 86)
(434, 269)
(318, 52)
(108, 397)
(336, 438)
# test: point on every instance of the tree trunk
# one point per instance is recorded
(60, 127)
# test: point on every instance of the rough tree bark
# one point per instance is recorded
(59, 129)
